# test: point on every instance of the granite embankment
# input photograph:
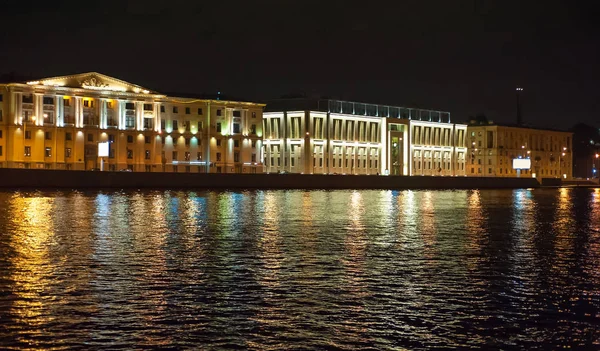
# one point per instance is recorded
(24, 178)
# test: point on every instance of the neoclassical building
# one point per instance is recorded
(493, 147)
(57, 123)
(314, 136)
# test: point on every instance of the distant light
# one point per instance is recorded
(519, 89)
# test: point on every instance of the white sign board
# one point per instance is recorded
(521, 163)
(103, 149)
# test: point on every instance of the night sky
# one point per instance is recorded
(465, 57)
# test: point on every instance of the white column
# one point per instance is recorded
(78, 112)
(58, 113)
(121, 114)
(157, 125)
(38, 109)
(139, 115)
(102, 113)
(17, 107)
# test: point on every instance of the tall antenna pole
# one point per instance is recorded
(519, 118)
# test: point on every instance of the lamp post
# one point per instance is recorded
(595, 169)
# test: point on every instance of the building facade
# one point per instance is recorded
(339, 137)
(493, 147)
(57, 123)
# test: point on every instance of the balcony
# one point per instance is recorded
(69, 119)
(148, 123)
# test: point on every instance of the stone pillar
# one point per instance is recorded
(102, 113)
(17, 107)
(121, 114)
(38, 109)
(78, 111)
(58, 111)
(139, 115)
(157, 124)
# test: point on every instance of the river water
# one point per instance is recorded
(273, 270)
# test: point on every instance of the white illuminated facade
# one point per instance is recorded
(341, 137)
(57, 123)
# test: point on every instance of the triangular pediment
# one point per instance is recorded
(94, 81)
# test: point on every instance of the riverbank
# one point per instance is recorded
(25, 178)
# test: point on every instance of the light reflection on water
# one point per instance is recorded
(300, 269)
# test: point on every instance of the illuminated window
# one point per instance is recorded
(199, 156)
(27, 151)
(187, 156)
(48, 152)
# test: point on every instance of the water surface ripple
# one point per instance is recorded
(273, 270)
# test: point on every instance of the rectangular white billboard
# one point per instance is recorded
(103, 149)
(521, 163)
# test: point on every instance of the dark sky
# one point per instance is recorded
(465, 57)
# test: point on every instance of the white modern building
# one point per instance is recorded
(313, 136)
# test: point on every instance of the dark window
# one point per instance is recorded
(48, 152)
(253, 129)
(111, 153)
(218, 142)
(129, 154)
(148, 107)
(236, 157)
(27, 150)
(67, 102)
(147, 154)
(254, 158)
(111, 138)
(174, 155)
(130, 106)
(68, 136)
(90, 137)
(199, 109)
(0, 148)
(48, 136)
(218, 127)
(253, 114)
(162, 109)
(28, 99)
(236, 127)
(147, 139)
(175, 109)
(0, 134)
(1, 100)
(48, 101)
(237, 113)
(175, 126)
(236, 143)
(218, 112)
(187, 141)
(187, 111)
(130, 138)
(27, 134)
(199, 125)
(218, 156)
(162, 124)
